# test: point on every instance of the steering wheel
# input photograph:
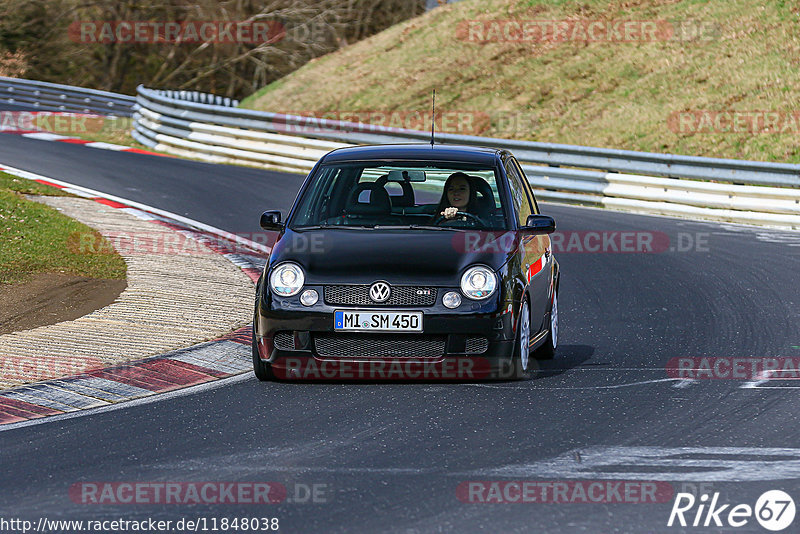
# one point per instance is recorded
(470, 216)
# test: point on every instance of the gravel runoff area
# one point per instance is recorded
(176, 297)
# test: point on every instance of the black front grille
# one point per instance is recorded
(284, 340)
(358, 295)
(477, 345)
(407, 346)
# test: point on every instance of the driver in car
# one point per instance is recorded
(457, 196)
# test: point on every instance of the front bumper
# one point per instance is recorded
(474, 341)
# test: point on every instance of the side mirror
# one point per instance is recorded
(271, 220)
(539, 224)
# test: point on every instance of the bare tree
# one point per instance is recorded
(41, 34)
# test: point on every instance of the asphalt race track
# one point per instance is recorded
(390, 457)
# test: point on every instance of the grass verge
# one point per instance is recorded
(35, 238)
(742, 58)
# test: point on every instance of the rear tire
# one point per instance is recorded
(547, 350)
(262, 370)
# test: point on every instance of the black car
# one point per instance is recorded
(408, 261)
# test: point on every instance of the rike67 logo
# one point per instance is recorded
(774, 510)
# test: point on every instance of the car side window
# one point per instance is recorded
(519, 195)
(528, 188)
(327, 179)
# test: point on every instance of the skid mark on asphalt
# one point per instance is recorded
(649, 463)
(707, 464)
(615, 386)
(764, 381)
(786, 237)
(772, 378)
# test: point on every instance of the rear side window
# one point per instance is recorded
(519, 194)
(527, 184)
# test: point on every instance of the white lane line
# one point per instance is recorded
(766, 388)
(45, 136)
(548, 388)
(617, 386)
(180, 218)
(139, 214)
(107, 146)
(611, 369)
(191, 390)
(76, 192)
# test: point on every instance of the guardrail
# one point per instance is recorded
(45, 96)
(201, 98)
(710, 188)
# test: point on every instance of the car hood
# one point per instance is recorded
(363, 255)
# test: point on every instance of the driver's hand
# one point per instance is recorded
(450, 212)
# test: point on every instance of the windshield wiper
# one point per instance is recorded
(413, 227)
(324, 226)
(379, 227)
(434, 227)
(334, 227)
(310, 227)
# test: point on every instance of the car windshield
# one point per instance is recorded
(410, 195)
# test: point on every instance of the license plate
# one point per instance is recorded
(377, 321)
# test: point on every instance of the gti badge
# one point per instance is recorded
(379, 292)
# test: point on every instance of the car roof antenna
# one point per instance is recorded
(433, 115)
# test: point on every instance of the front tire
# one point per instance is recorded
(519, 364)
(262, 370)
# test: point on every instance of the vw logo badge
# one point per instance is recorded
(379, 292)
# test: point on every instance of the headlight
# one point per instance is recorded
(451, 300)
(309, 297)
(478, 282)
(287, 279)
